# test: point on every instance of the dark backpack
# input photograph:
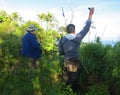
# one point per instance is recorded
(62, 53)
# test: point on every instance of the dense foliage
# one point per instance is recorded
(100, 68)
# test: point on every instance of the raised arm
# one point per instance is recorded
(91, 13)
(85, 30)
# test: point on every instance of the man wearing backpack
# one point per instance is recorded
(31, 48)
(68, 47)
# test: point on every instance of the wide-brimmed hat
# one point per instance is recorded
(31, 28)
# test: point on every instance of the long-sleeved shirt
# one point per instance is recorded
(30, 46)
(70, 43)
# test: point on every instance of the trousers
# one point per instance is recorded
(71, 72)
(33, 63)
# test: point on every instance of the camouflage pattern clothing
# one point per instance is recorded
(71, 72)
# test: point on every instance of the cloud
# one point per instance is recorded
(107, 23)
(3, 4)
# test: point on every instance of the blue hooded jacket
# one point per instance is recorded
(30, 46)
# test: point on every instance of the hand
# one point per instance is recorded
(91, 13)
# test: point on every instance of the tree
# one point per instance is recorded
(48, 19)
(16, 19)
(3, 16)
(62, 30)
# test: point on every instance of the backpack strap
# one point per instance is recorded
(64, 41)
(70, 40)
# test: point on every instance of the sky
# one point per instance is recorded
(106, 17)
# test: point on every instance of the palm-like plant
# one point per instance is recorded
(49, 20)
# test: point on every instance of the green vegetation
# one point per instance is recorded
(101, 61)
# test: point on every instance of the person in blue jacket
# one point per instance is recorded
(31, 48)
(68, 47)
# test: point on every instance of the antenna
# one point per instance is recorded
(71, 15)
(63, 15)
